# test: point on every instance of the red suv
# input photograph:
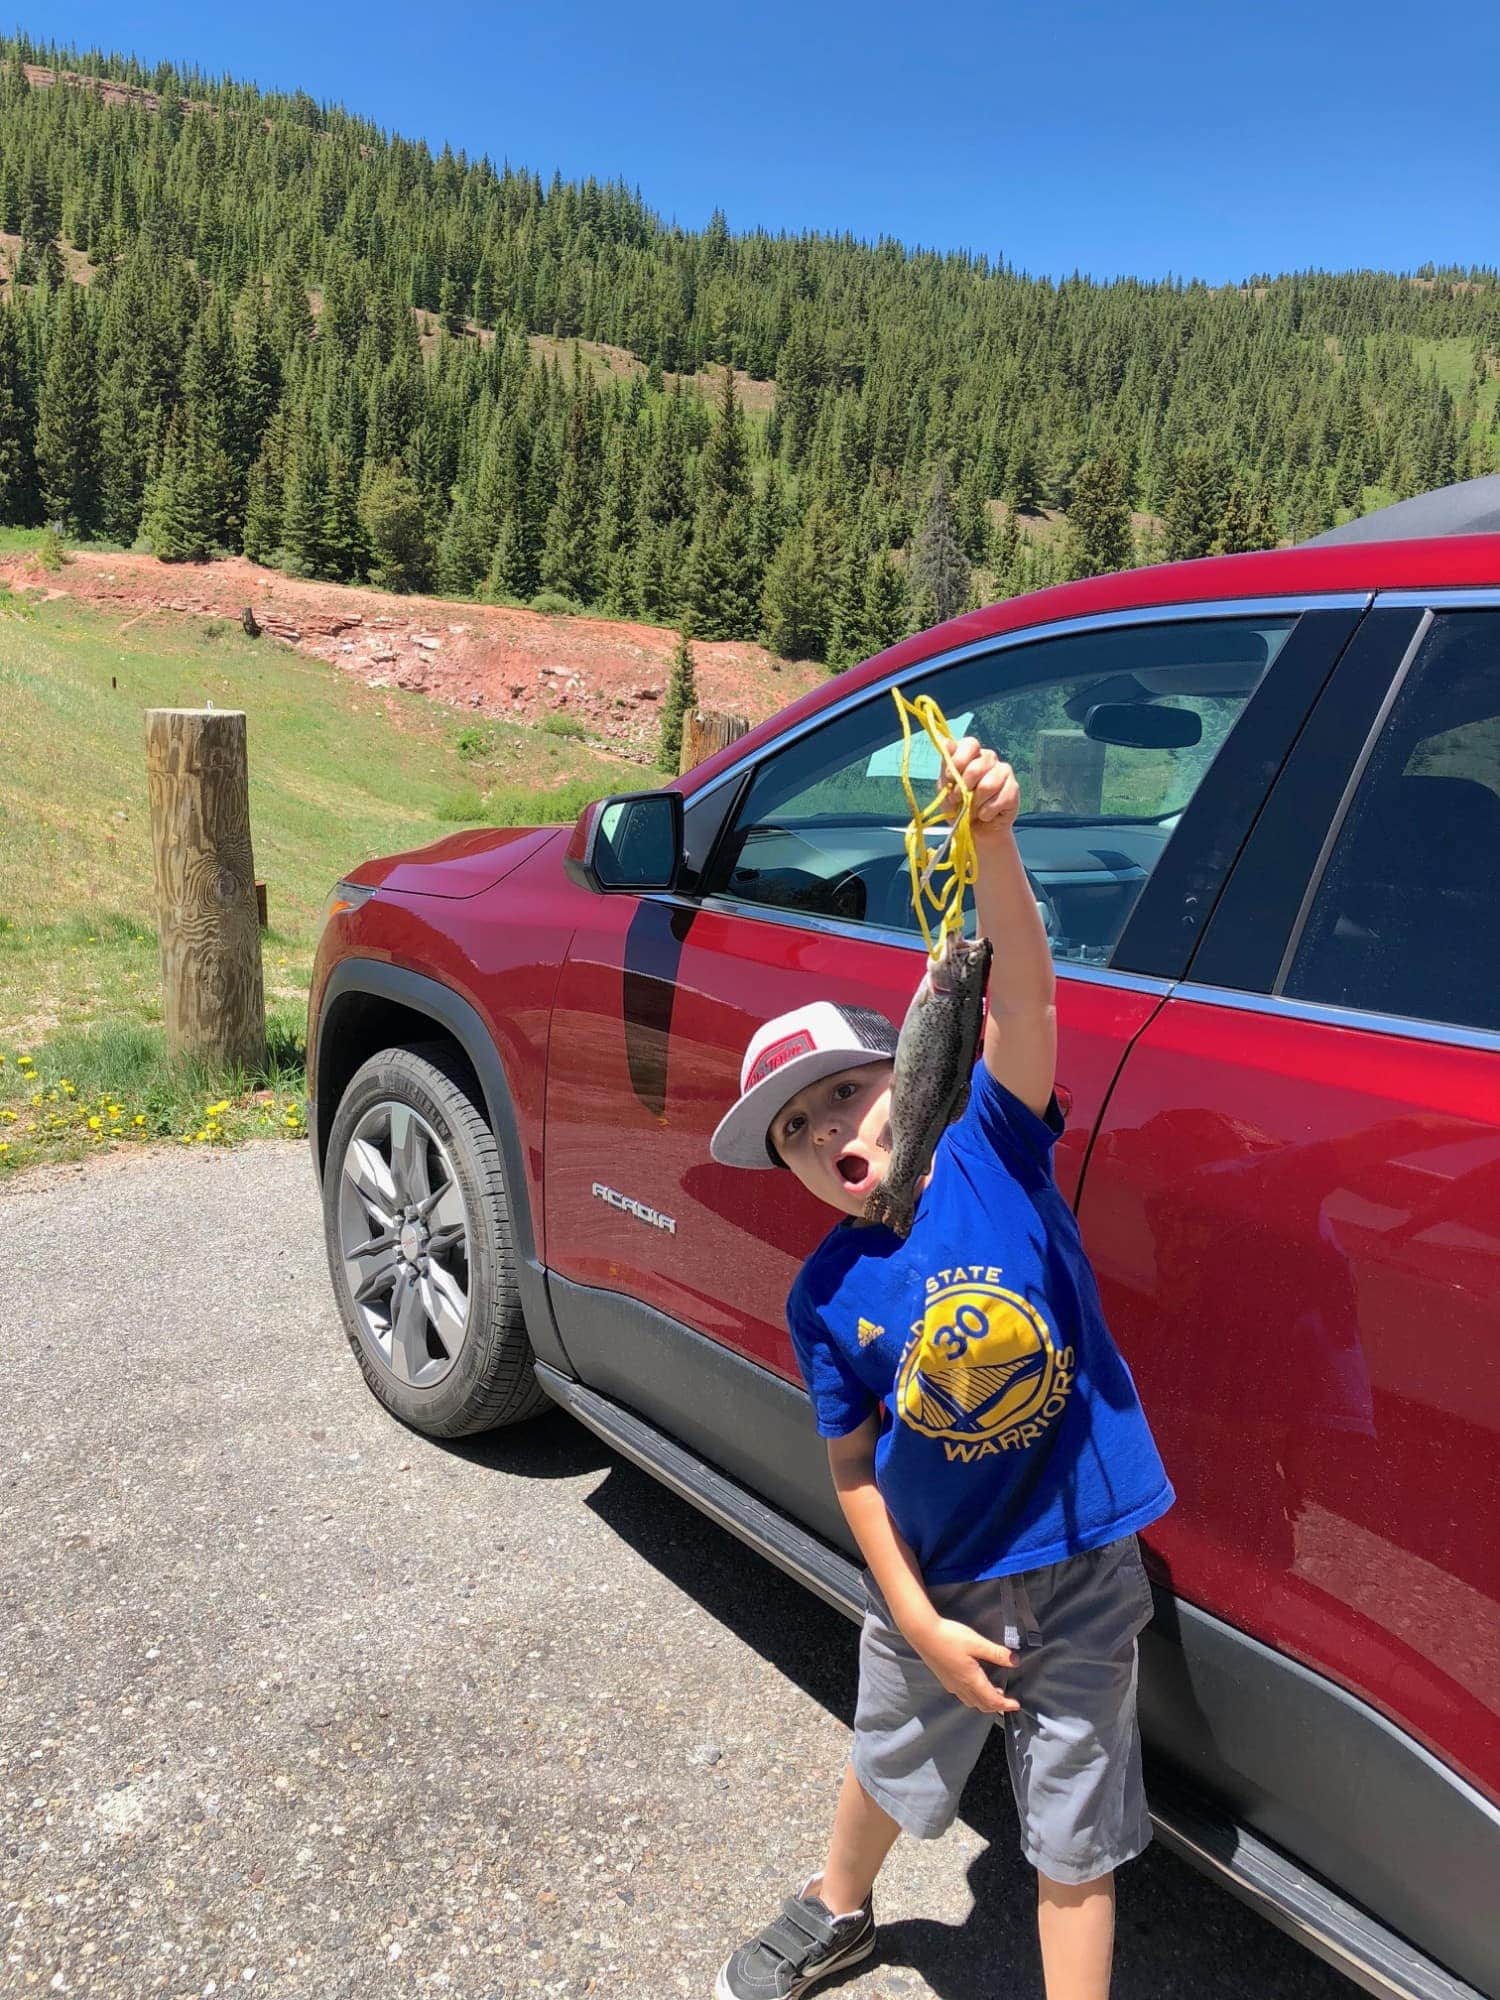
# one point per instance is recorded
(1262, 819)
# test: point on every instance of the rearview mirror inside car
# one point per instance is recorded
(1143, 726)
(630, 843)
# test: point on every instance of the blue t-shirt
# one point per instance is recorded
(1011, 1434)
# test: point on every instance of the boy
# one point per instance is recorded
(986, 1446)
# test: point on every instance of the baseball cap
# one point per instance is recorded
(784, 1056)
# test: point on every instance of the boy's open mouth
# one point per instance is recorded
(852, 1171)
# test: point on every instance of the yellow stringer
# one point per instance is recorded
(940, 880)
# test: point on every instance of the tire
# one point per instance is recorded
(429, 1298)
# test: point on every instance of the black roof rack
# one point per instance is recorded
(1472, 507)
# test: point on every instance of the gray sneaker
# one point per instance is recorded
(804, 1944)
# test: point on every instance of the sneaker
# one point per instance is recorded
(804, 1944)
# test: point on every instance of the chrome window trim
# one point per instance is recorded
(1346, 800)
(769, 913)
(1294, 603)
(1452, 597)
(1323, 1015)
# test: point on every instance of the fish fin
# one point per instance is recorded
(882, 1206)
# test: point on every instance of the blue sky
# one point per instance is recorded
(1178, 136)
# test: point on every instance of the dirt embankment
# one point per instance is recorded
(609, 674)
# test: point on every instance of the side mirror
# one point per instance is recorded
(632, 843)
(1142, 725)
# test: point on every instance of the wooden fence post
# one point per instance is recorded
(1068, 776)
(197, 778)
(706, 730)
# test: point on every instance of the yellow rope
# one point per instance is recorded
(940, 880)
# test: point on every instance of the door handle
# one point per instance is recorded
(1064, 1098)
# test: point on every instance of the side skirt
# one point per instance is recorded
(1327, 1923)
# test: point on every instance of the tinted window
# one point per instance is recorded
(822, 824)
(1406, 919)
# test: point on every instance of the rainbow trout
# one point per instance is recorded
(934, 1062)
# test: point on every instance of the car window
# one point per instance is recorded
(1406, 917)
(1110, 732)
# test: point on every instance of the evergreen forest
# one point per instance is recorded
(243, 322)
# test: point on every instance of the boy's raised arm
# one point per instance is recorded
(1020, 1037)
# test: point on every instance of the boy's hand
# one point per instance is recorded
(991, 785)
(958, 1655)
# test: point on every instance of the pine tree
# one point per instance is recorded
(884, 603)
(395, 528)
(67, 441)
(303, 497)
(938, 574)
(1195, 505)
(262, 532)
(568, 550)
(846, 623)
(682, 699)
(341, 552)
(460, 556)
(1005, 555)
(1099, 518)
(177, 518)
(797, 604)
(17, 473)
(721, 569)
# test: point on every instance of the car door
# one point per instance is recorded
(1293, 1207)
(671, 1272)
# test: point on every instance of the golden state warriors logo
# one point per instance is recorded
(982, 1371)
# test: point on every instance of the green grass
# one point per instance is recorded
(338, 772)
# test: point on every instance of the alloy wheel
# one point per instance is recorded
(404, 1239)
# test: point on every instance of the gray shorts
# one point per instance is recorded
(1073, 1746)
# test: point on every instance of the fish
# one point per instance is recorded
(935, 1056)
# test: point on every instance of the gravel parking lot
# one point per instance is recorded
(294, 1702)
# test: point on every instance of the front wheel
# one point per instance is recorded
(416, 1220)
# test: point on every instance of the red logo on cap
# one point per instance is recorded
(778, 1055)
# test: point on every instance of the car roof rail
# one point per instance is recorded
(1472, 507)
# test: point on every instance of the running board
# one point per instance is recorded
(1317, 1916)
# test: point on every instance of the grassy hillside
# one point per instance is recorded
(338, 772)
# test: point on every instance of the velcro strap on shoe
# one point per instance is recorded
(787, 1944)
(809, 1918)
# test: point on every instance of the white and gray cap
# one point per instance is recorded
(784, 1056)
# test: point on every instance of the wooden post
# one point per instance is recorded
(706, 730)
(197, 778)
(1068, 776)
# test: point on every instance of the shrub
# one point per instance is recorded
(552, 604)
(465, 807)
(474, 740)
(50, 552)
(564, 725)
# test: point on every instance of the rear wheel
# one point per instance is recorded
(416, 1219)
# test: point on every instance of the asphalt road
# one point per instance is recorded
(294, 1702)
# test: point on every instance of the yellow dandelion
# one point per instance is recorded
(4, 1145)
(200, 1136)
(8, 1116)
(95, 1123)
(36, 1097)
(26, 1062)
(213, 1110)
(139, 1119)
